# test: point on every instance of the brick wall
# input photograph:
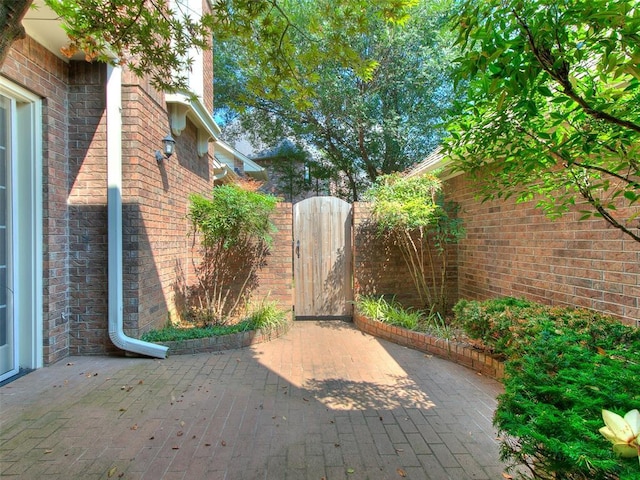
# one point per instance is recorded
(38, 70)
(276, 279)
(379, 268)
(513, 249)
(156, 196)
(87, 240)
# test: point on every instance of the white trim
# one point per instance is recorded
(251, 168)
(182, 106)
(28, 237)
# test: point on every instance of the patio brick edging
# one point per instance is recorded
(458, 352)
(226, 342)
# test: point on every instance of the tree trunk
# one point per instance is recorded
(11, 14)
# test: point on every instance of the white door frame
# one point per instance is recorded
(26, 250)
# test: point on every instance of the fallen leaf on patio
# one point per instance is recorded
(305, 399)
(507, 476)
(180, 433)
(175, 448)
(140, 382)
(182, 423)
(48, 451)
(122, 410)
(152, 438)
(223, 443)
(134, 427)
(398, 450)
(336, 445)
(284, 418)
(193, 437)
(112, 471)
(401, 472)
(207, 444)
(350, 471)
(69, 364)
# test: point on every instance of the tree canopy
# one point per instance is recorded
(552, 109)
(375, 108)
(156, 38)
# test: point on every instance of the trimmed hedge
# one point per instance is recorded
(563, 367)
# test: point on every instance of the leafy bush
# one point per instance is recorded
(234, 229)
(564, 366)
(412, 211)
(492, 321)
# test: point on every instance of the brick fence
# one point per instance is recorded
(513, 249)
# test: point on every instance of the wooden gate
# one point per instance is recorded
(322, 258)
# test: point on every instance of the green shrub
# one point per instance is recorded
(493, 321)
(412, 211)
(563, 367)
(233, 227)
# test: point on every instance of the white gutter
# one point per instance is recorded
(114, 212)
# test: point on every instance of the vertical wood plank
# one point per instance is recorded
(322, 257)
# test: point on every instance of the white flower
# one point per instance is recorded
(624, 432)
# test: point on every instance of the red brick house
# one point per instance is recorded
(92, 224)
(514, 249)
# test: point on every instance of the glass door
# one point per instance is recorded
(8, 353)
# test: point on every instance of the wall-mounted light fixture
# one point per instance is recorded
(168, 147)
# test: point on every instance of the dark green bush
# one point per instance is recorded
(563, 367)
(493, 321)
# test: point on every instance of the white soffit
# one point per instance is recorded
(45, 27)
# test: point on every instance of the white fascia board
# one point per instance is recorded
(250, 167)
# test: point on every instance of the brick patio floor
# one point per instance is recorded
(324, 401)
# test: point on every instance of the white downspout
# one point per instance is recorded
(114, 219)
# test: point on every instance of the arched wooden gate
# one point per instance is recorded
(322, 258)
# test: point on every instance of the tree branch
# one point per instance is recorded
(561, 75)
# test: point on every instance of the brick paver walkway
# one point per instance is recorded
(324, 401)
